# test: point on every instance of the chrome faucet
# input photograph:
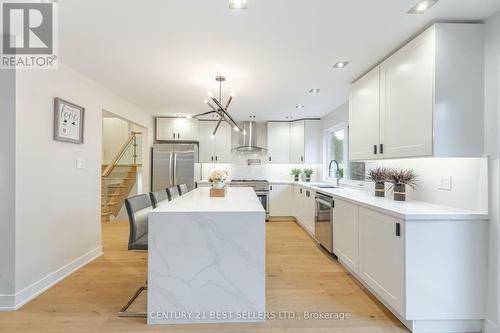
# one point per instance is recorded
(337, 172)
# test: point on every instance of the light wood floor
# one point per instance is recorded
(300, 277)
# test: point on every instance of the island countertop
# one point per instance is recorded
(206, 261)
(237, 199)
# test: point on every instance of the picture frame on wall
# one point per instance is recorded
(69, 121)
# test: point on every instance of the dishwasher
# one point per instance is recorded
(323, 220)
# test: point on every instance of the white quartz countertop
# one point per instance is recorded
(408, 210)
(237, 199)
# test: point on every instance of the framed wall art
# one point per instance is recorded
(69, 120)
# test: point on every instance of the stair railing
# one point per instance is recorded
(131, 147)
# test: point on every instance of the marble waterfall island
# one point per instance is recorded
(207, 259)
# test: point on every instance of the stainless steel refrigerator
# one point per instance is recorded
(174, 164)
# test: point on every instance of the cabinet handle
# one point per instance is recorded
(374, 149)
(173, 136)
(302, 158)
(216, 158)
(178, 136)
(212, 158)
(398, 229)
(381, 148)
(300, 191)
(269, 158)
(271, 187)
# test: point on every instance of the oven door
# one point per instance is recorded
(264, 200)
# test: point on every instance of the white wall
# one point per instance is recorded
(115, 132)
(492, 148)
(7, 182)
(337, 116)
(58, 206)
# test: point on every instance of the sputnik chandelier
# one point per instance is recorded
(220, 110)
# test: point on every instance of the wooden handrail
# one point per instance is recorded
(120, 154)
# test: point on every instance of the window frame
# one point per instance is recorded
(326, 144)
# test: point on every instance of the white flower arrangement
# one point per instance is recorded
(218, 176)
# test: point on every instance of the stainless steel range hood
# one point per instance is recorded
(248, 142)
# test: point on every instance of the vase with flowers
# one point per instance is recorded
(308, 173)
(379, 176)
(401, 178)
(217, 179)
(296, 173)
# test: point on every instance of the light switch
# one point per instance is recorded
(445, 183)
(80, 163)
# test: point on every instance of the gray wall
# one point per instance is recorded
(7, 180)
(492, 148)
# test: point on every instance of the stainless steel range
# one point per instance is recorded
(261, 188)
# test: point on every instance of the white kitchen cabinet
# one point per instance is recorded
(215, 149)
(304, 207)
(381, 256)
(297, 141)
(176, 129)
(309, 209)
(278, 142)
(407, 99)
(427, 97)
(346, 233)
(281, 200)
(313, 141)
(364, 114)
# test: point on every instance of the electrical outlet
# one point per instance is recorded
(445, 183)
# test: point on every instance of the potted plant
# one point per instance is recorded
(401, 178)
(217, 178)
(379, 176)
(296, 173)
(308, 172)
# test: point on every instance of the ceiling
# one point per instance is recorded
(163, 55)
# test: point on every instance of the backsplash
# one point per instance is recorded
(469, 180)
(240, 169)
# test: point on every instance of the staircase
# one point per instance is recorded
(119, 178)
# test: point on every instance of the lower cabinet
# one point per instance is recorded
(304, 207)
(346, 233)
(281, 200)
(381, 256)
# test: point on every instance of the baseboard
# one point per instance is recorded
(14, 302)
(490, 327)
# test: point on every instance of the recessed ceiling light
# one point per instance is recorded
(422, 6)
(238, 4)
(341, 64)
(299, 106)
(314, 91)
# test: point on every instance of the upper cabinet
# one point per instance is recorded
(364, 115)
(424, 100)
(278, 142)
(297, 141)
(294, 142)
(176, 129)
(217, 148)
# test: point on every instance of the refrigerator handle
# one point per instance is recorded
(174, 183)
(170, 167)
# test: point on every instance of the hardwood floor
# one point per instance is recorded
(300, 277)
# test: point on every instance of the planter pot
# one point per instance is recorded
(296, 178)
(218, 185)
(400, 192)
(308, 179)
(380, 189)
